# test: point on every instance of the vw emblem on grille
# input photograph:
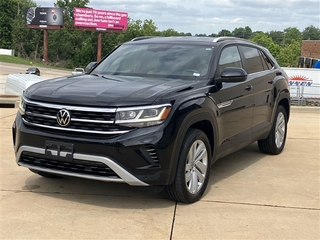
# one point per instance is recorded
(63, 117)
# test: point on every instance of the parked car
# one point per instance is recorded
(90, 66)
(78, 71)
(33, 70)
(156, 111)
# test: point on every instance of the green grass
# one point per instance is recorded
(16, 60)
(19, 60)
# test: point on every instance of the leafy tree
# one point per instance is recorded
(7, 14)
(213, 35)
(239, 32)
(248, 32)
(201, 35)
(26, 42)
(311, 33)
(289, 55)
(292, 34)
(277, 37)
(170, 32)
(224, 32)
(266, 41)
(149, 28)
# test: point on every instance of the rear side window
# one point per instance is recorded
(253, 59)
(267, 63)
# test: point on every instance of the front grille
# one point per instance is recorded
(83, 119)
(76, 166)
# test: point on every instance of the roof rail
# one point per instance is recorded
(142, 38)
(220, 39)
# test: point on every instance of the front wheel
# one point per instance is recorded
(193, 168)
(276, 140)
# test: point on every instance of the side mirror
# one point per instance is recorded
(232, 74)
(90, 66)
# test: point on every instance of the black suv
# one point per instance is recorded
(155, 111)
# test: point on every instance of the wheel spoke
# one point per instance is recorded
(188, 176)
(194, 183)
(200, 176)
(200, 154)
(202, 167)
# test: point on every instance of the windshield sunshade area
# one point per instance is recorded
(158, 60)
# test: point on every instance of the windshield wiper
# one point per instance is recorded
(103, 76)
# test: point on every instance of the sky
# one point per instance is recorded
(208, 16)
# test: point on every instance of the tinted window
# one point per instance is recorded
(267, 63)
(158, 60)
(229, 57)
(253, 59)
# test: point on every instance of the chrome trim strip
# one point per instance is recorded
(57, 106)
(40, 115)
(73, 130)
(225, 104)
(124, 175)
(72, 119)
(142, 107)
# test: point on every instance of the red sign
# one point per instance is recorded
(100, 19)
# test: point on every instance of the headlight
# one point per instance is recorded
(142, 116)
(22, 106)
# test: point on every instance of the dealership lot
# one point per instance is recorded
(250, 196)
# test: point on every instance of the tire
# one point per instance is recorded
(45, 174)
(193, 168)
(276, 140)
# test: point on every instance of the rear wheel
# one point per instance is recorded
(193, 168)
(276, 140)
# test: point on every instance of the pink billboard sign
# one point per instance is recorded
(100, 19)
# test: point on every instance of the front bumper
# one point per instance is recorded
(140, 158)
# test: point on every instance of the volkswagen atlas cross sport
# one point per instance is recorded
(155, 111)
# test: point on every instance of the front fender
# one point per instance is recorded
(198, 113)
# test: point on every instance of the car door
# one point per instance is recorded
(261, 75)
(235, 103)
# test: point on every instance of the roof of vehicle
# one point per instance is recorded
(188, 39)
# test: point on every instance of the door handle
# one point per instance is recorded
(248, 87)
(270, 81)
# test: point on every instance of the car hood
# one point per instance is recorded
(109, 90)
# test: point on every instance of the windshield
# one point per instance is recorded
(158, 60)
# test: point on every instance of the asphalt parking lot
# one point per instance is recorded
(250, 196)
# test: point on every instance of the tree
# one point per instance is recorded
(7, 14)
(26, 42)
(224, 32)
(289, 55)
(277, 37)
(292, 34)
(266, 41)
(311, 33)
(239, 32)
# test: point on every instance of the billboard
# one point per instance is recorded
(100, 19)
(43, 16)
(304, 82)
